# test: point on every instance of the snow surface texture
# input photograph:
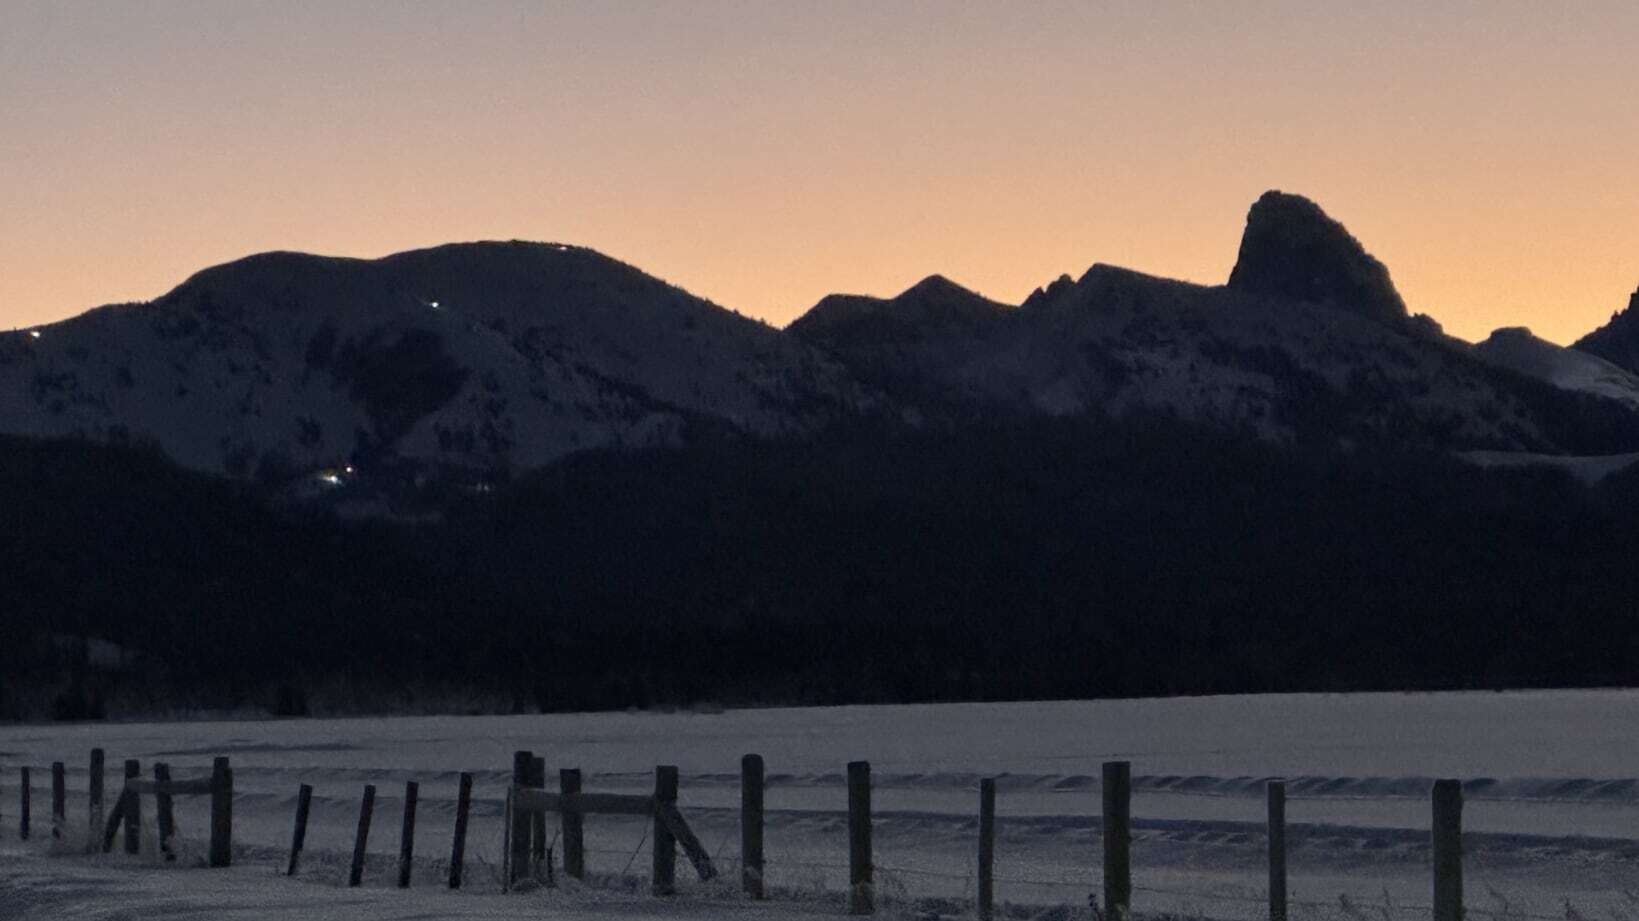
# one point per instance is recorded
(1552, 804)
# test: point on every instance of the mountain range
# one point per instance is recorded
(522, 475)
(478, 361)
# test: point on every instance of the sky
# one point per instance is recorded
(764, 154)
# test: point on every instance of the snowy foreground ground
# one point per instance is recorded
(1552, 813)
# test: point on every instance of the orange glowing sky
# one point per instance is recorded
(763, 154)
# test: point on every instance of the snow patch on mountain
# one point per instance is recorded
(1517, 349)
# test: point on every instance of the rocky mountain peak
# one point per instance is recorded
(1292, 249)
(1617, 341)
(1053, 291)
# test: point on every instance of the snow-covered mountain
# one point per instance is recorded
(1569, 369)
(486, 357)
(1308, 339)
(479, 356)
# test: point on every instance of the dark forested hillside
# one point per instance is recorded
(1039, 559)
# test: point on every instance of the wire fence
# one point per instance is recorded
(958, 886)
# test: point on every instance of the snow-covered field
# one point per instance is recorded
(1551, 817)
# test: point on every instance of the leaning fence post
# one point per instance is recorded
(304, 801)
(59, 800)
(861, 892)
(664, 878)
(1448, 850)
(1118, 840)
(355, 875)
(24, 794)
(987, 848)
(573, 824)
(537, 820)
(133, 809)
(1277, 850)
(751, 825)
(221, 850)
(518, 829)
(458, 848)
(164, 815)
(406, 840)
(94, 803)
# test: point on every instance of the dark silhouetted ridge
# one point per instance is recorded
(1617, 341)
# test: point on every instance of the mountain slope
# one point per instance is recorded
(1517, 349)
(485, 355)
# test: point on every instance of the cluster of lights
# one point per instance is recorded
(334, 479)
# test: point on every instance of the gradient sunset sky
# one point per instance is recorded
(766, 154)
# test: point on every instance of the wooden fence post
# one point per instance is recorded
(164, 814)
(987, 849)
(59, 800)
(1117, 840)
(94, 803)
(573, 825)
(508, 823)
(24, 794)
(458, 848)
(519, 827)
(861, 890)
(355, 875)
(133, 809)
(221, 850)
(751, 826)
(1448, 850)
(537, 820)
(664, 878)
(406, 840)
(1277, 850)
(298, 838)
